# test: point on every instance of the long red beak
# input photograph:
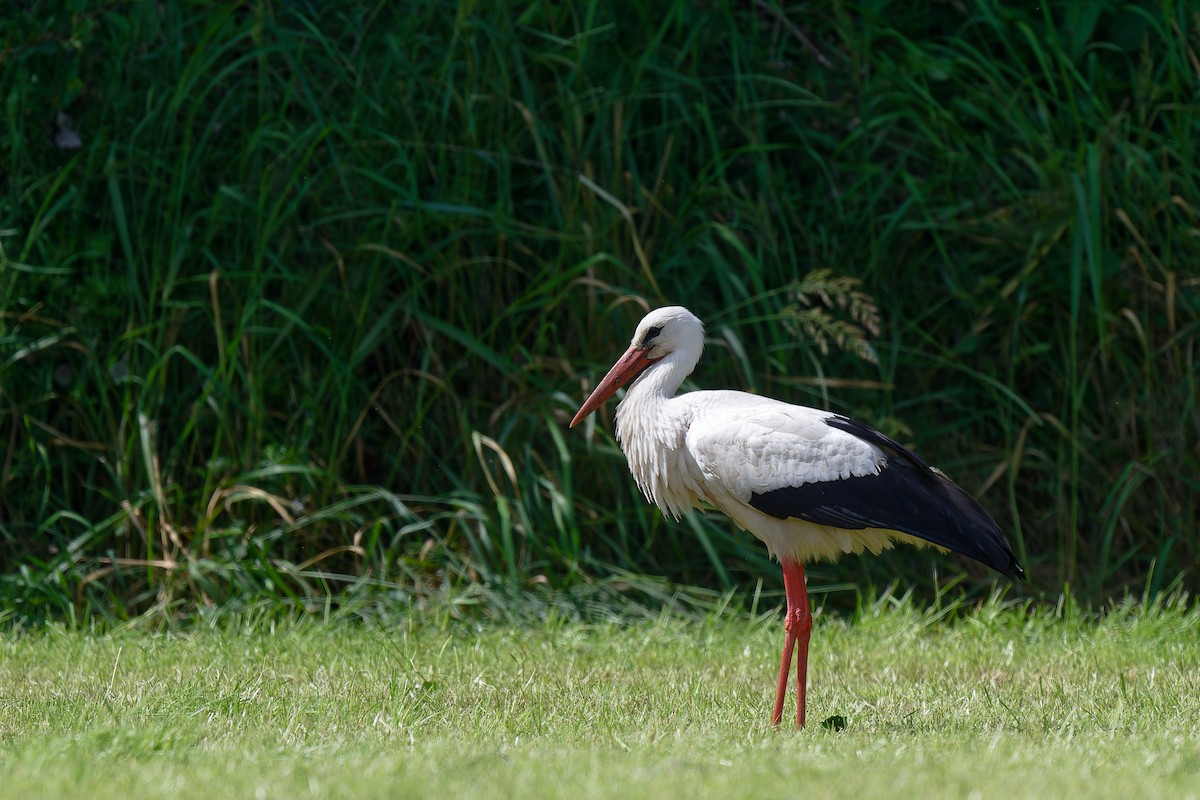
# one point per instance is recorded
(626, 369)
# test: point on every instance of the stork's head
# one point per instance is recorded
(668, 331)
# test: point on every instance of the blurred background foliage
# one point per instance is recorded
(298, 297)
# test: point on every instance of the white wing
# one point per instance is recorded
(749, 444)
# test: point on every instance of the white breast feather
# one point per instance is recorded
(657, 457)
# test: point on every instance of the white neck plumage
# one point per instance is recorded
(651, 431)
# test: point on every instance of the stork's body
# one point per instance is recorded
(808, 483)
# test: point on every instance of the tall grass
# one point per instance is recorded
(309, 308)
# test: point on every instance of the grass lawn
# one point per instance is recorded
(1000, 702)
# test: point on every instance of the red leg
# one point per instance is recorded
(785, 667)
(797, 626)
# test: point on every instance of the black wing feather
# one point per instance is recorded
(907, 495)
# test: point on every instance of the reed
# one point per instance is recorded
(304, 317)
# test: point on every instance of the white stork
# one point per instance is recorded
(808, 483)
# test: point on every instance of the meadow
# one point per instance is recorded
(994, 700)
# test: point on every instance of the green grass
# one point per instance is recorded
(997, 700)
(307, 313)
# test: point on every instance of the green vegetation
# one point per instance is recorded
(305, 315)
(1000, 701)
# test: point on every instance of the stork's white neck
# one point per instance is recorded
(662, 378)
(659, 383)
(651, 431)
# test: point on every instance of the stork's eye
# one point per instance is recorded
(650, 334)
